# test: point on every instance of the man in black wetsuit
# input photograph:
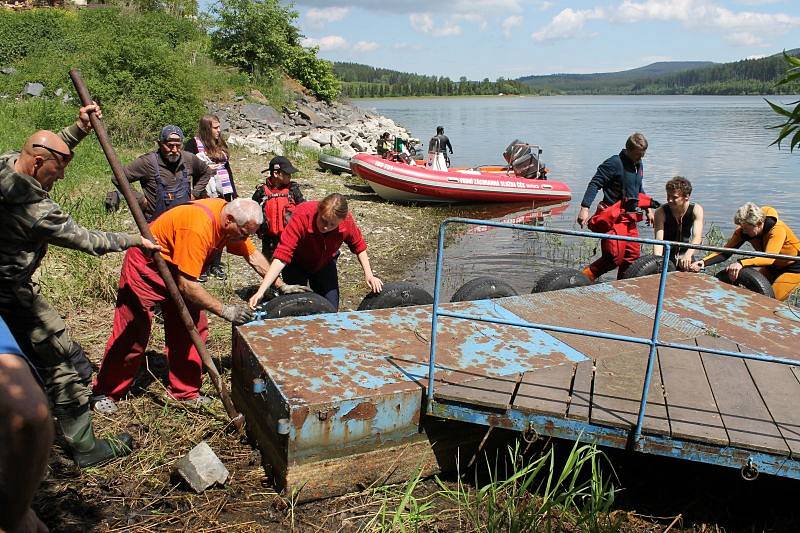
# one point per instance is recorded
(440, 143)
(679, 220)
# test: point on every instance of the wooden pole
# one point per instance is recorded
(161, 264)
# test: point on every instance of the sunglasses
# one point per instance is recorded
(64, 157)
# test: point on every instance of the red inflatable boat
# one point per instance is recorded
(400, 182)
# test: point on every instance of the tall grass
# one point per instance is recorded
(521, 495)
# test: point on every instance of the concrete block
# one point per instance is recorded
(201, 468)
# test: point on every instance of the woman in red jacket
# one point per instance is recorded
(309, 247)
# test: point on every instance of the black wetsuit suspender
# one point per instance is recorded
(678, 233)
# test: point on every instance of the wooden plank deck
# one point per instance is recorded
(694, 396)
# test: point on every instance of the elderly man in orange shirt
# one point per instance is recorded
(189, 235)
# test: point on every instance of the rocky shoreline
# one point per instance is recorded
(253, 124)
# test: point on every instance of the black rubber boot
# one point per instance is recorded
(88, 451)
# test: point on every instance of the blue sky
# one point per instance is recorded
(513, 38)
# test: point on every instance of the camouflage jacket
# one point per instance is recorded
(30, 221)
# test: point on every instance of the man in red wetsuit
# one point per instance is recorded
(620, 179)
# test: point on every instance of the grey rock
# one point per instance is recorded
(309, 114)
(323, 138)
(8, 70)
(359, 145)
(201, 468)
(308, 143)
(238, 98)
(260, 112)
(33, 89)
(347, 152)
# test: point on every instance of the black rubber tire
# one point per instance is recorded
(483, 288)
(751, 279)
(561, 278)
(647, 265)
(396, 294)
(301, 304)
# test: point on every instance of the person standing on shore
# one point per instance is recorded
(211, 148)
(164, 174)
(620, 178)
(441, 143)
(277, 196)
(678, 220)
(31, 221)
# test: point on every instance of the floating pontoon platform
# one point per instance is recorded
(337, 402)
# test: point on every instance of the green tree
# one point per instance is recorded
(259, 37)
(254, 35)
(791, 126)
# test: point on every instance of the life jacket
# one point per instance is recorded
(278, 205)
(614, 217)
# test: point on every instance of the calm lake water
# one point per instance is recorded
(721, 144)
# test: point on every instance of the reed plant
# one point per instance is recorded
(537, 494)
(522, 494)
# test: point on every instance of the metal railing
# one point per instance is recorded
(653, 341)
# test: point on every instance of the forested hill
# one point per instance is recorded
(748, 76)
(365, 81)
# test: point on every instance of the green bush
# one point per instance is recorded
(145, 69)
(314, 73)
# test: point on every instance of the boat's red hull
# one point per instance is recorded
(411, 183)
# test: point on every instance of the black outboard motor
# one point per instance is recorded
(525, 160)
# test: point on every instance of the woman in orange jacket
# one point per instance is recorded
(761, 227)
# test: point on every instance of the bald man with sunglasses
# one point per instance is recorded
(31, 221)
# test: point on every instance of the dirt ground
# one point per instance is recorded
(140, 493)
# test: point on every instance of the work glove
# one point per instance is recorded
(237, 314)
(292, 289)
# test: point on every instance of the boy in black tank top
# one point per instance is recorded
(679, 220)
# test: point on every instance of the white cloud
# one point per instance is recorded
(741, 28)
(745, 38)
(327, 43)
(475, 18)
(567, 24)
(362, 47)
(509, 23)
(702, 13)
(425, 23)
(317, 18)
(544, 5)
